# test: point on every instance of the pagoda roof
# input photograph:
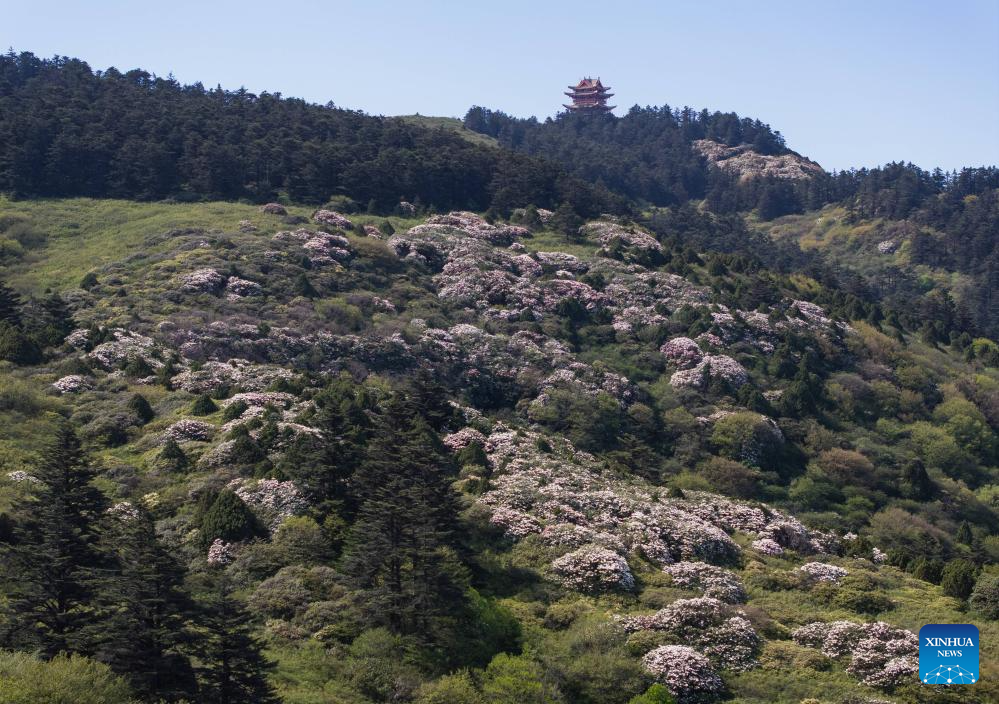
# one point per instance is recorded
(588, 83)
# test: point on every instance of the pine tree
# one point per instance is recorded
(400, 548)
(228, 518)
(172, 456)
(52, 565)
(142, 629)
(203, 406)
(303, 287)
(10, 305)
(141, 408)
(232, 668)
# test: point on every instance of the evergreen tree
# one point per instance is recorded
(566, 221)
(141, 408)
(203, 406)
(232, 668)
(228, 518)
(304, 287)
(10, 305)
(400, 549)
(142, 628)
(51, 566)
(172, 456)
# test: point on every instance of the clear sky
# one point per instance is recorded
(848, 83)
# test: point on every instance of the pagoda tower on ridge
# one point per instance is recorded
(589, 95)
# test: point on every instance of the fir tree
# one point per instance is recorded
(10, 305)
(304, 287)
(52, 564)
(400, 549)
(142, 629)
(141, 408)
(232, 667)
(203, 406)
(228, 518)
(172, 456)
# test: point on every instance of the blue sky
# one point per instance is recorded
(848, 83)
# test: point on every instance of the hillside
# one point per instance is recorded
(433, 458)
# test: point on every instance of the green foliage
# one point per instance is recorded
(172, 457)
(458, 688)
(229, 519)
(656, 694)
(16, 346)
(138, 405)
(203, 406)
(958, 578)
(65, 679)
(50, 568)
(518, 679)
(984, 597)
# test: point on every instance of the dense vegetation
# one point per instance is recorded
(66, 130)
(684, 454)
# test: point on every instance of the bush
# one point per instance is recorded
(141, 408)
(17, 347)
(517, 679)
(203, 406)
(958, 578)
(64, 679)
(458, 688)
(985, 596)
(172, 457)
(656, 694)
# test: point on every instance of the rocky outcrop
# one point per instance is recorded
(742, 160)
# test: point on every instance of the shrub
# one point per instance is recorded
(203, 406)
(64, 679)
(656, 694)
(518, 679)
(985, 596)
(16, 346)
(958, 578)
(88, 281)
(141, 408)
(234, 410)
(458, 688)
(172, 457)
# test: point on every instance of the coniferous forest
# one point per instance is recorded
(304, 405)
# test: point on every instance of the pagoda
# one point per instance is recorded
(589, 95)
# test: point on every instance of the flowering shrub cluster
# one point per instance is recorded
(331, 218)
(881, 655)
(273, 209)
(236, 287)
(707, 624)
(19, 475)
(613, 237)
(822, 572)
(202, 281)
(235, 372)
(321, 247)
(688, 675)
(463, 438)
(594, 569)
(123, 511)
(767, 546)
(125, 345)
(71, 384)
(683, 352)
(271, 499)
(220, 553)
(569, 498)
(78, 339)
(712, 581)
(711, 367)
(184, 430)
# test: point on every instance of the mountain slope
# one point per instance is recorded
(617, 446)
